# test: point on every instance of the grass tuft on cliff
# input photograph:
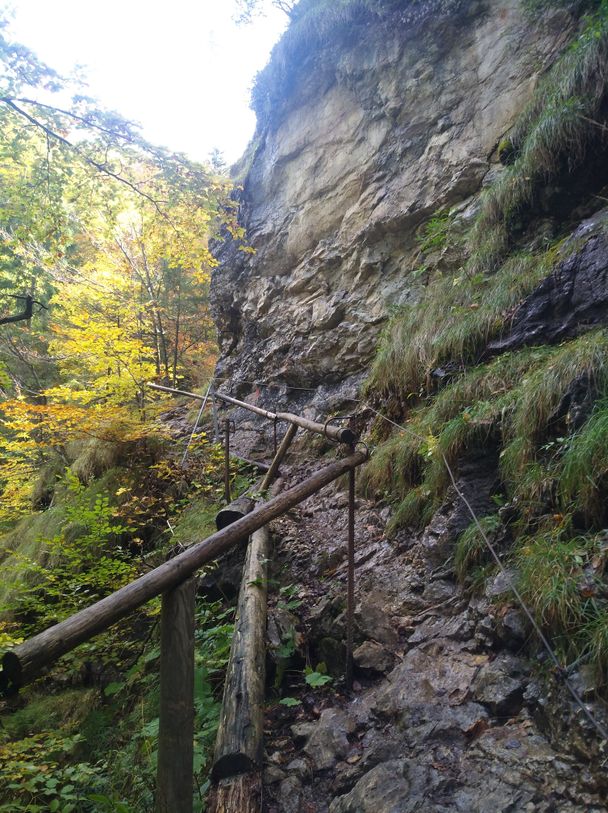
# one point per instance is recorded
(513, 399)
(584, 471)
(433, 374)
(452, 323)
(563, 121)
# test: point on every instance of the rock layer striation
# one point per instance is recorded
(399, 121)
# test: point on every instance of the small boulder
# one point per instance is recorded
(500, 685)
(332, 653)
(501, 583)
(290, 794)
(371, 658)
(384, 789)
(273, 774)
(372, 619)
(439, 591)
(301, 732)
(328, 738)
(512, 628)
(299, 767)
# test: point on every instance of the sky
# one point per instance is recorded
(182, 69)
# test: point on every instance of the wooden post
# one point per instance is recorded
(238, 746)
(278, 458)
(236, 510)
(227, 461)
(240, 739)
(174, 776)
(239, 794)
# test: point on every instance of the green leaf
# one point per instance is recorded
(316, 679)
(150, 729)
(290, 701)
(112, 689)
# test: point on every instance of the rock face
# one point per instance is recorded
(399, 120)
(570, 300)
(404, 121)
(442, 720)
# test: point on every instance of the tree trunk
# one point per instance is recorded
(177, 327)
(239, 794)
(239, 747)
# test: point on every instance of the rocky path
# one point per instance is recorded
(446, 706)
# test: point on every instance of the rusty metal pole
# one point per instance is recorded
(350, 590)
(216, 425)
(227, 461)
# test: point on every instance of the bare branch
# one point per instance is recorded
(103, 168)
(24, 315)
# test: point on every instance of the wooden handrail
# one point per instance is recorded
(25, 662)
(340, 434)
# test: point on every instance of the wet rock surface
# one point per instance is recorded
(572, 299)
(444, 715)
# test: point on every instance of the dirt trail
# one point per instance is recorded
(447, 702)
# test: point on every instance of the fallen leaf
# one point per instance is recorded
(477, 728)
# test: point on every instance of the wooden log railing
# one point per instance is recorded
(25, 661)
(173, 581)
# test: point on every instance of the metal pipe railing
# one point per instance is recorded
(339, 434)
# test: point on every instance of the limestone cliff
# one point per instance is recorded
(392, 120)
(424, 198)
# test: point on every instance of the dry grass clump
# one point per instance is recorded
(554, 134)
(451, 325)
